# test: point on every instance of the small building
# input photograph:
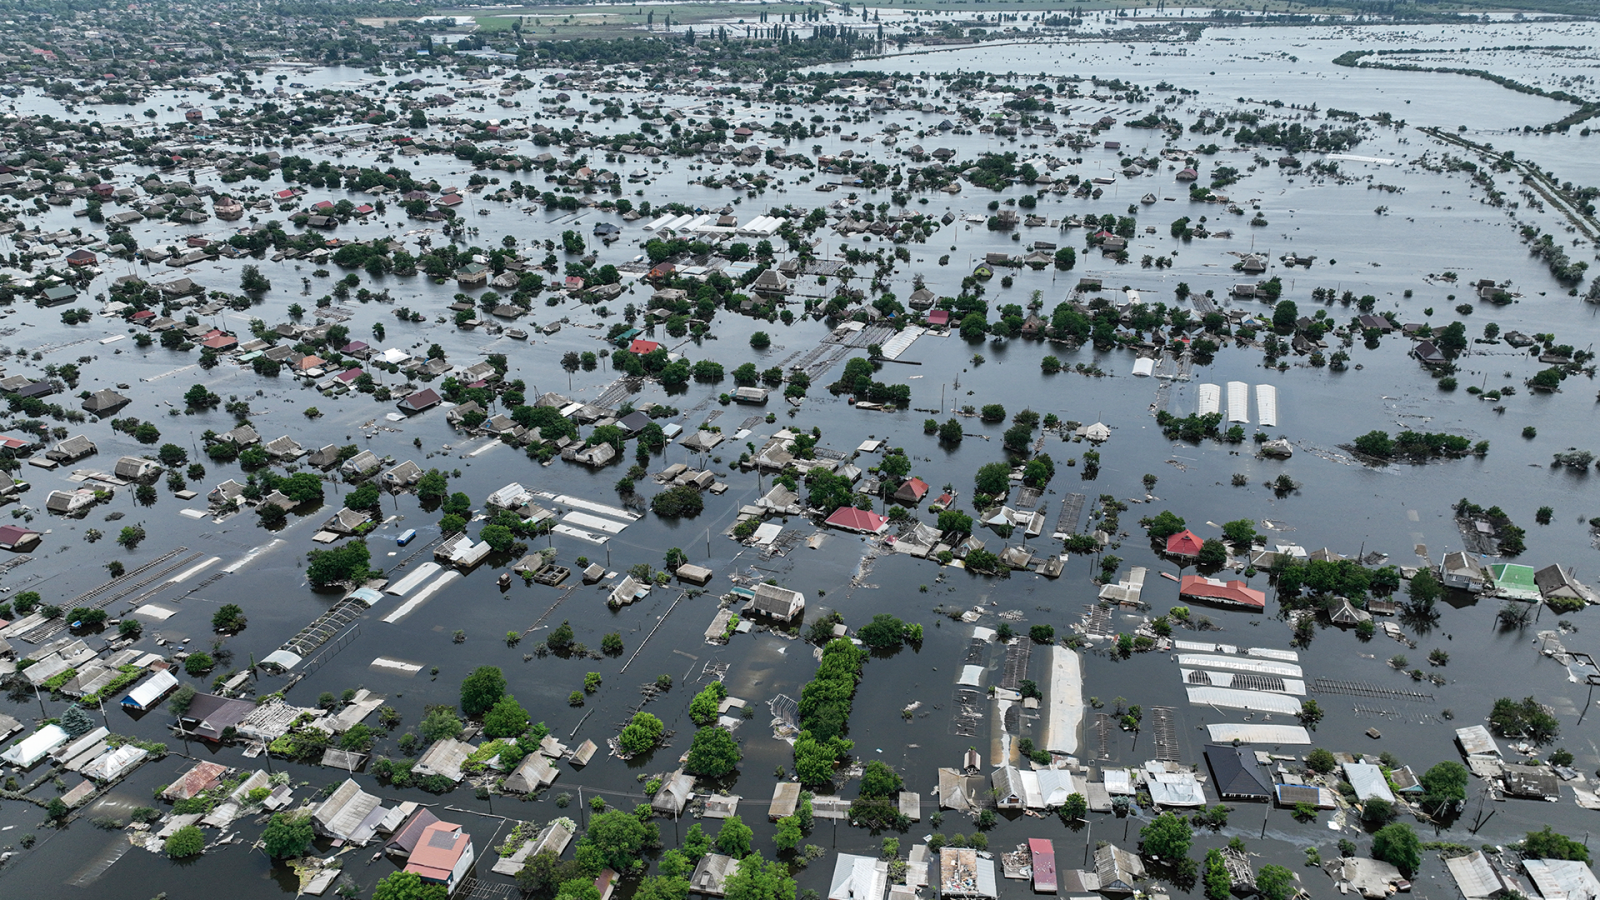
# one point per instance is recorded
(711, 874)
(104, 402)
(1235, 774)
(773, 602)
(26, 753)
(71, 450)
(1006, 785)
(785, 798)
(444, 757)
(18, 539)
(911, 491)
(750, 394)
(1368, 782)
(533, 774)
(1225, 593)
(1117, 869)
(1043, 854)
(1530, 782)
(199, 778)
(964, 872)
(444, 855)
(148, 693)
(698, 575)
(402, 476)
(676, 791)
(424, 399)
(1459, 570)
(1565, 879)
(861, 521)
(209, 716)
(1184, 545)
(134, 468)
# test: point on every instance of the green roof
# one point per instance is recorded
(1515, 581)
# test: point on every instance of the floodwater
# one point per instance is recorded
(1435, 224)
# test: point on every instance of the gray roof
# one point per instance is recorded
(345, 811)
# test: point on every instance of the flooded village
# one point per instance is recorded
(775, 451)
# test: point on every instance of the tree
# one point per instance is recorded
(950, 432)
(560, 637)
(1274, 882)
(1163, 525)
(879, 780)
(1423, 591)
(760, 340)
(433, 487)
(171, 455)
(1219, 884)
(1397, 845)
(185, 842)
(287, 835)
(1241, 533)
(757, 879)
(1546, 844)
(1445, 784)
(228, 618)
(677, 502)
(301, 487)
(954, 520)
(498, 537)
(481, 690)
(1310, 713)
(663, 887)
(788, 836)
(713, 753)
(506, 719)
(883, 632)
(251, 281)
(733, 838)
(1076, 807)
(199, 663)
(76, 723)
(641, 733)
(544, 873)
(1017, 439)
(1320, 761)
(703, 709)
(616, 839)
(1166, 838)
(1284, 316)
(364, 497)
(1375, 443)
(993, 479)
(1213, 553)
(439, 723)
(407, 886)
(340, 565)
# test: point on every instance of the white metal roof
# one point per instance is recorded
(1238, 401)
(1368, 781)
(1267, 404)
(1237, 664)
(1251, 733)
(1210, 399)
(150, 691)
(1233, 698)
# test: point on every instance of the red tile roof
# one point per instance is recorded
(642, 346)
(1184, 543)
(863, 520)
(437, 852)
(1213, 590)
